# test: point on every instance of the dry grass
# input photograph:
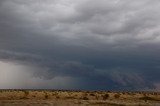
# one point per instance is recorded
(96, 98)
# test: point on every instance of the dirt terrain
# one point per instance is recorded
(77, 98)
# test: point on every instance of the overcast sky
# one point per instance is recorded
(80, 44)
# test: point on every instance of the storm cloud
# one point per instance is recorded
(80, 44)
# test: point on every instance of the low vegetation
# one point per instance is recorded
(117, 96)
(80, 97)
(106, 96)
(146, 98)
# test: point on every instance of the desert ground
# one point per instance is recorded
(77, 98)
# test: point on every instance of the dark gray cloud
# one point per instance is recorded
(89, 43)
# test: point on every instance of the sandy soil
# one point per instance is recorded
(77, 98)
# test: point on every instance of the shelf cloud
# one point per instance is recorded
(80, 44)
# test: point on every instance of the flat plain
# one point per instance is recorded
(77, 98)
